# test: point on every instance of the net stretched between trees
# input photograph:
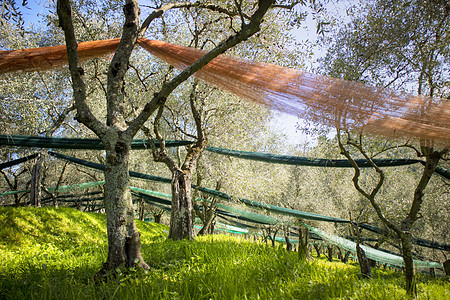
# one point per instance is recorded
(253, 204)
(137, 144)
(46, 58)
(325, 100)
(322, 99)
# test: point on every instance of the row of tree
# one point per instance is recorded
(390, 44)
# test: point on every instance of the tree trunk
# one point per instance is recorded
(181, 213)
(447, 267)
(209, 218)
(330, 252)
(363, 262)
(124, 244)
(35, 190)
(157, 215)
(141, 210)
(411, 287)
(289, 246)
(303, 241)
(317, 247)
(345, 257)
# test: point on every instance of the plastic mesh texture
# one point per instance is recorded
(321, 99)
(371, 253)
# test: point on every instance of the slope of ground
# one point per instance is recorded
(54, 254)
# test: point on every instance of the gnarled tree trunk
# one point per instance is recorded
(363, 262)
(124, 244)
(405, 239)
(181, 213)
(303, 242)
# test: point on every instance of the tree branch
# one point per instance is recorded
(119, 66)
(371, 196)
(245, 32)
(160, 11)
(84, 114)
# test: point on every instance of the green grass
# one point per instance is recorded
(54, 253)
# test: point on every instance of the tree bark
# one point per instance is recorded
(124, 244)
(209, 217)
(157, 215)
(404, 230)
(35, 190)
(447, 267)
(345, 257)
(303, 242)
(141, 210)
(123, 238)
(363, 262)
(330, 253)
(317, 247)
(209, 211)
(289, 245)
(181, 226)
(410, 278)
(432, 159)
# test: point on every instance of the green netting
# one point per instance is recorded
(71, 196)
(72, 187)
(255, 204)
(439, 170)
(17, 161)
(14, 192)
(95, 144)
(306, 161)
(320, 162)
(75, 143)
(76, 200)
(102, 168)
(237, 223)
(371, 253)
(248, 215)
(62, 189)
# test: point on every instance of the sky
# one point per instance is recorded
(307, 32)
(33, 11)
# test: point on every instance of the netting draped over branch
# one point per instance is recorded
(76, 143)
(322, 99)
(325, 100)
(17, 161)
(62, 189)
(46, 58)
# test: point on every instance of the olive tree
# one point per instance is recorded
(400, 45)
(116, 134)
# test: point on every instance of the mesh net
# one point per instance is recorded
(325, 100)
(322, 99)
(15, 162)
(76, 143)
(95, 144)
(253, 204)
(62, 189)
(371, 253)
(45, 58)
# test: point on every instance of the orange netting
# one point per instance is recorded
(51, 57)
(322, 99)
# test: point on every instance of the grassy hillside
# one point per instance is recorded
(54, 253)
